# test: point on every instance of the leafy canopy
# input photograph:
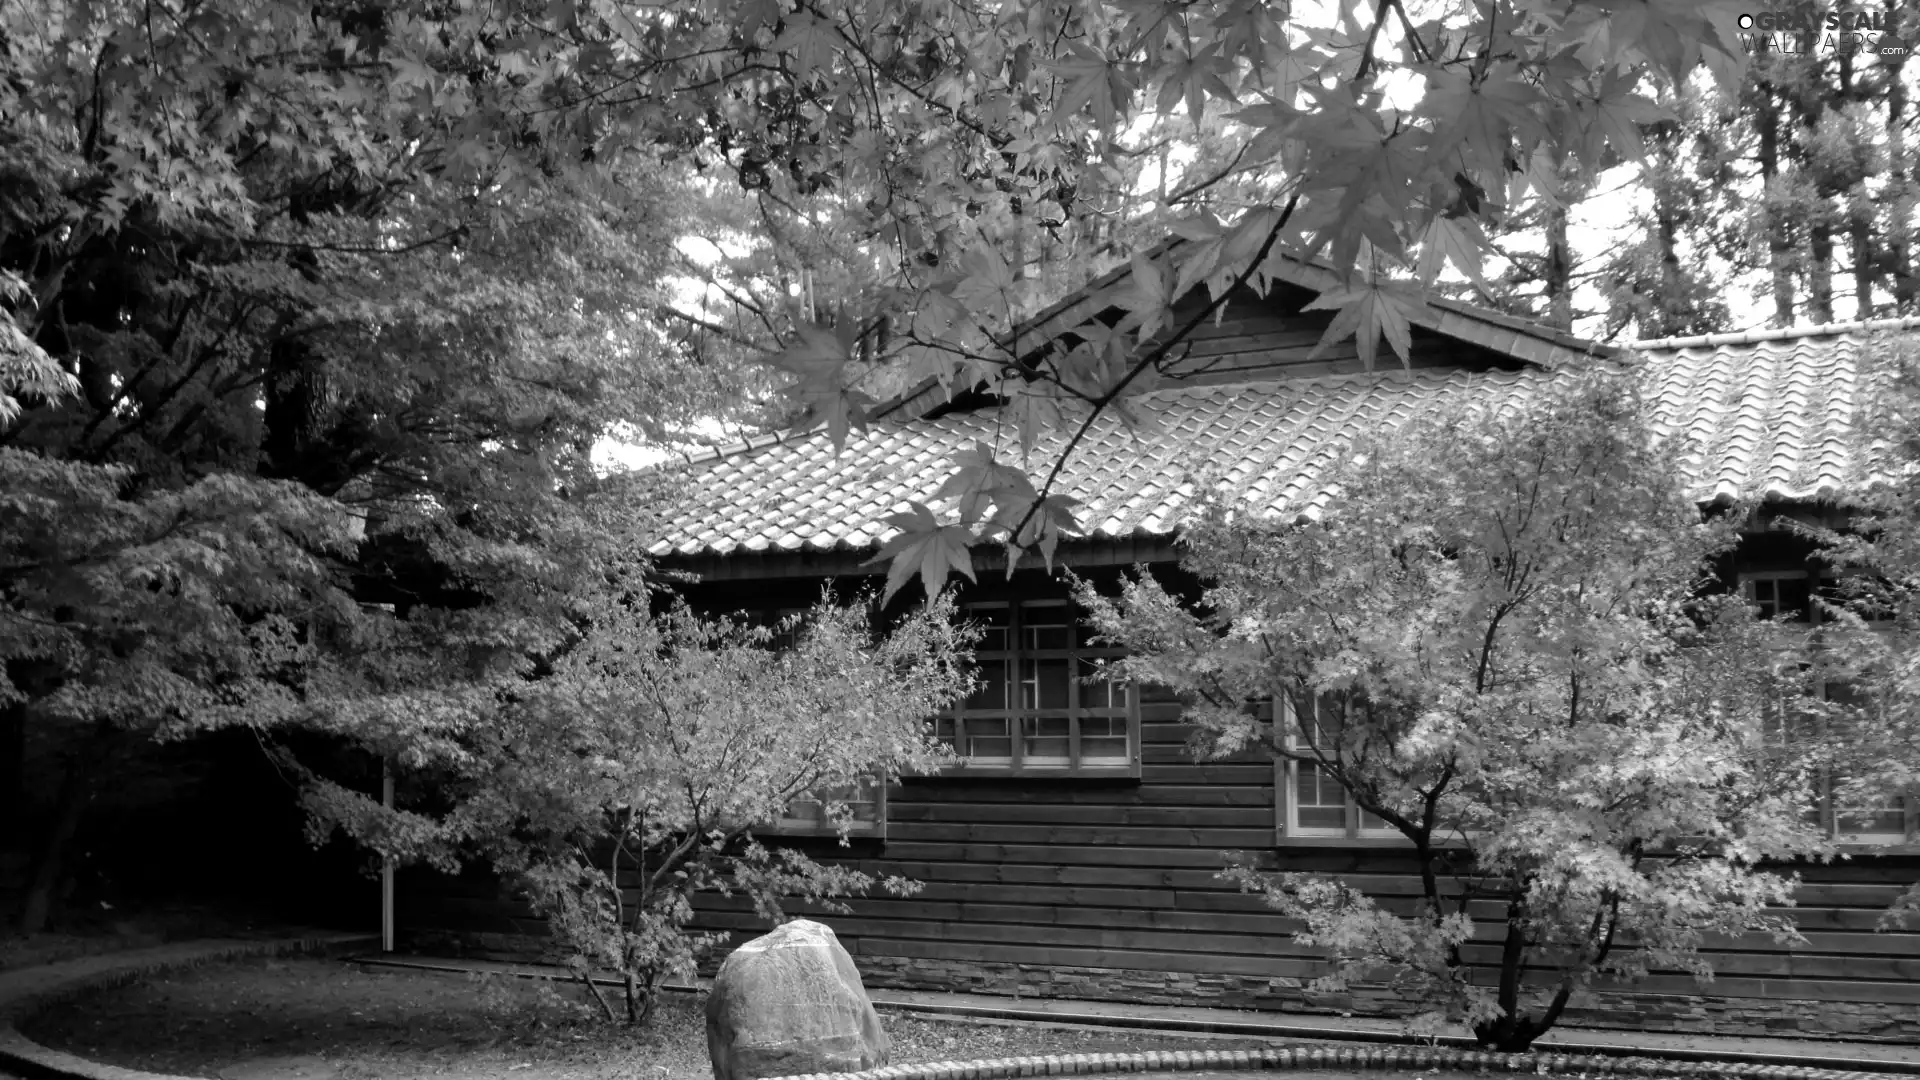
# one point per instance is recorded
(306, 339)
(1500, 641)
(639, 771)
(1384, 138)
(955, 141)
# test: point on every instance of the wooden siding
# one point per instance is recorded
(1122, 873)
(1274, 337)
(1105, 874)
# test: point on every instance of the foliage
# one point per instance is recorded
(638, 771)
(961, 144)
(1660, 280)
(1512, 603)
(305, 345)
(966, 154)
(1816, 148)
(1876, 613)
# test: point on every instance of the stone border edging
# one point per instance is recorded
(28, 989)
(1345, 1057)
(1567, 1042)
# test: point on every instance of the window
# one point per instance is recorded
(1891, 818)
(866, 799)
(1779, 594)
(1312, 803)
(1041, 706)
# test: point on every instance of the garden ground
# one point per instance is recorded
(314, 1019)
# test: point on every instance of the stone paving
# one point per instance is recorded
(23, 990)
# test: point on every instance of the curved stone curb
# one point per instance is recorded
(1354, 1058)
(29, 989)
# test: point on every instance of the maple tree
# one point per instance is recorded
(1383, 138)
(291, 416)
(960, 145)
(1503, 640)
(637, 773)
(1873, 610)
(964, 147)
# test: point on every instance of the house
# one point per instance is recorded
(1074, 854)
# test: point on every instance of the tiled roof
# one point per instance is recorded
(1769, 418)
(1770, 412)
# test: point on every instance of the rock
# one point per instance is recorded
(788, 1003)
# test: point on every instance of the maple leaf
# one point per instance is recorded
(818, 358)
(1193, 78)
(809, 39)
(1034, 408)
(1455, 239)
(979, 478)
(926, 547)
(1478, 118)
(1149, 295)
(990, 279)
(1046, 521)
(1367, 311)
(1092, 81)
(1615, 115)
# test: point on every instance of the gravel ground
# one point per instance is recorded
(311, 1019)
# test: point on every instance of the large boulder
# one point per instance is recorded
(791, 1002)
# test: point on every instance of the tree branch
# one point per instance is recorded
(1151, 358)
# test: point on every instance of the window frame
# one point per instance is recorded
(1825, 808)
(950, 725)
(1354, 832)
(813, 823)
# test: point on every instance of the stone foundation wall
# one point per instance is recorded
(1702, 1014)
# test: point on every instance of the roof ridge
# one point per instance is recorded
(714, 451)
(1330, 378)
(1751, 337)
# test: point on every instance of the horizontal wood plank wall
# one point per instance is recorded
(1122, 875)
(1096, 873)
(1273, 338)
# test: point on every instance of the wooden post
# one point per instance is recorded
(386, 866)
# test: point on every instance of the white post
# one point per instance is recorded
(386, 867)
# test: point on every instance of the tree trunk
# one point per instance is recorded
(1559, 271)
(13, 772)
(1809, 103)
(1864, 259)
(1510, 1031)
(1900, 178)
(1670, 307)
(1859, 216)
(76, 790)
(1772, 222)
